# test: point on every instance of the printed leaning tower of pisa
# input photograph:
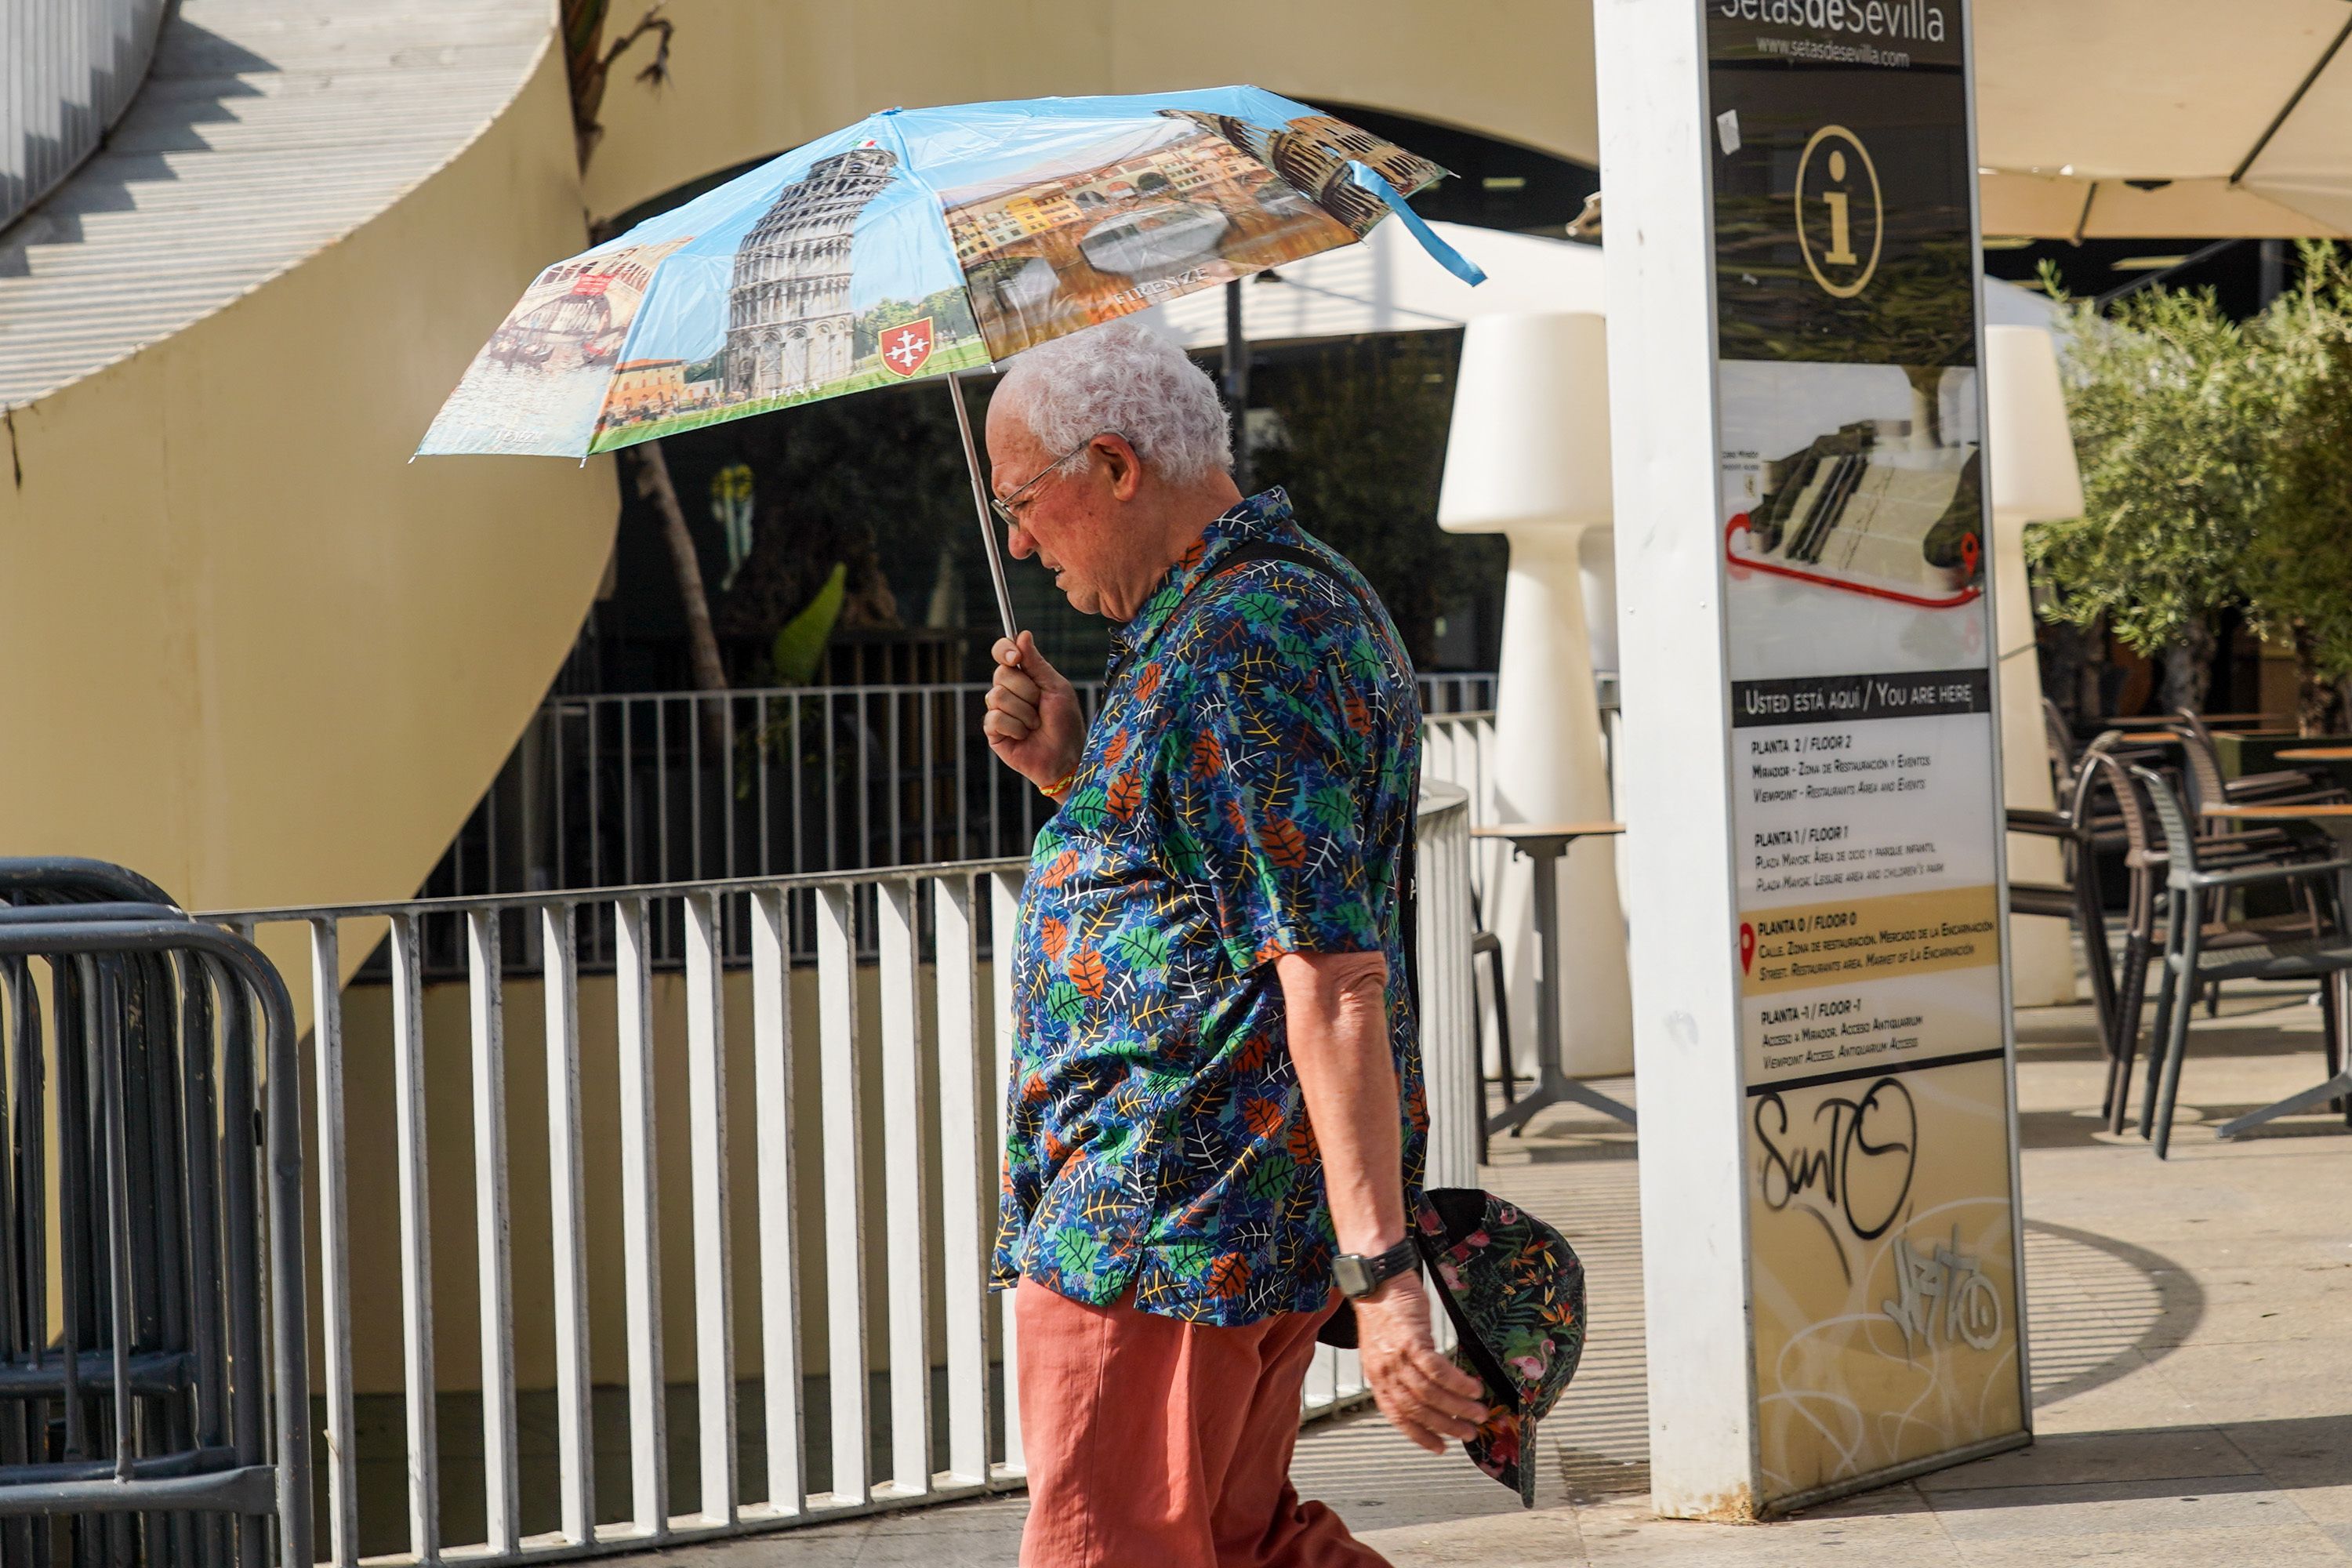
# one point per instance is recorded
(789, 325)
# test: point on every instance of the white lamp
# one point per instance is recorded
(1528, 458)
(2031, 456)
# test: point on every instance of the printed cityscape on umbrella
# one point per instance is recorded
(915, 243)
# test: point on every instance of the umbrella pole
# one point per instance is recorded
(980, 504)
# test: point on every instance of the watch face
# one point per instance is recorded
(1354, 1278)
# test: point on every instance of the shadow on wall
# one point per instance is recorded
(194, 79)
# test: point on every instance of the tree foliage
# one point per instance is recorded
(2297, 577)
(2168, 421)
(2217, 473)
(1362, 450)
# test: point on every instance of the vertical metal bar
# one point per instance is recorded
(596, 797)
(929, 704)
(74, 1174)
(714, 1323)
(102, 1029)
(965, 1048)
(799, 832)
(494, 1277)
(865, 784)
(831, 793)
(727, 788)
(1004, 919)
(694, 790)
(289, 1371)
(661, 789)
(962, 743)
(629, 796)
(567, 1223)
(899, 919)
(894, 802)
(780, 1285)
(334, 1242)
(559, 870)
(844, 1187)
(198, 1123)
(640, 1223)
(767, 853)
(415, 1240)
(240, 1120)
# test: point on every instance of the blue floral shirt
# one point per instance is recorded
(1245, 791)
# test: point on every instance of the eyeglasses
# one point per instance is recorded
(1009, 508)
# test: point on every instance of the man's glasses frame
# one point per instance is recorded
(1009, 508)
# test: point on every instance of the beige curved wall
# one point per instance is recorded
(751, 79)
(252, 650)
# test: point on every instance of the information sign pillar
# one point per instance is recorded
(1811, 774)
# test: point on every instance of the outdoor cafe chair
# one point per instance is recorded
(2076, 899)
(2199, 951)
(2281, 786)
(2107, 775)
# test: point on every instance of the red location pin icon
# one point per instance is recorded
(1747, 946)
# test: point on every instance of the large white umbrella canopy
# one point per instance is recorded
(1388, 283)
(2189, 117)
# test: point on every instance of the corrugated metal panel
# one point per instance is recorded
(265, 131)
(68, 70)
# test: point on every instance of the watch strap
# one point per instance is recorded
(1402, 1258)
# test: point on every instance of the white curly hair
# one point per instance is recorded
(1122, 376)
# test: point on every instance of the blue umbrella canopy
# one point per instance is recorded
(918, 242)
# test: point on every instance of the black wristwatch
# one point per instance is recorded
(1359, 1277)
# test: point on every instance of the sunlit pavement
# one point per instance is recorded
(2191, 1329)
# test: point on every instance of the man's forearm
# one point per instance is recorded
(1337, 1007)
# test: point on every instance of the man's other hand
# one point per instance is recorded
(1032, 722)
(1424, 1394)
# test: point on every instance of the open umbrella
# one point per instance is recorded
(922, 242)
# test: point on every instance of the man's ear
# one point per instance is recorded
(1126, 468)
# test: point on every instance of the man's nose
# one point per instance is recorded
(1019, 543)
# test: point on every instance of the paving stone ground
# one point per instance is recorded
(2190, 1323)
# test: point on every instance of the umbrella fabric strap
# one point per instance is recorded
(1445, 254)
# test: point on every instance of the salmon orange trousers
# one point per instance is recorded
(1156, 1443)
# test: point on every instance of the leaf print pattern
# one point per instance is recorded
(1244, 792)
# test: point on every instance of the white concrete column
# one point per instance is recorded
(1674, 779)
(1528, 458)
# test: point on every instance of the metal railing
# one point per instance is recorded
(148, 1123)
(861, 1207)
(68, 69)
(693, 786)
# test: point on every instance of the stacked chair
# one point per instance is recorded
(2204, 873)
(163, 1416)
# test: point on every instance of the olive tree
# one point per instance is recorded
(2171, 418)
(2297, 574)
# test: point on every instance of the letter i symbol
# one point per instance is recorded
(1841, 226)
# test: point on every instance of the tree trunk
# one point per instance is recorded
(2316, 701)
(653, 483)
(2189, 669)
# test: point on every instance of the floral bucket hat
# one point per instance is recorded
(1515, 1290)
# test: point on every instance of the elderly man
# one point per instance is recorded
(1216, 1107)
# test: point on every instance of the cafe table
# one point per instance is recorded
(1545, 843)
(2339, 1087)
(2314, 754)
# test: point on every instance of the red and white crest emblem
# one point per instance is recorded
(905, 349)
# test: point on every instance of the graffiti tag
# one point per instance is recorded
(1943, 1296)
(1859, 1153)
